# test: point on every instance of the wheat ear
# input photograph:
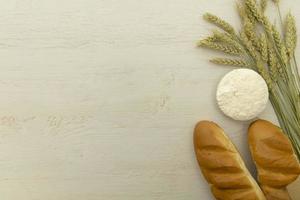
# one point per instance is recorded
(231, 62)
(290, 34)
(263, 47)
(219, 22)
(229, 49)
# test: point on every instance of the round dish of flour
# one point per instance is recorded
(242, 94)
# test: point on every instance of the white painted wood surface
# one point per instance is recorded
(99, 98)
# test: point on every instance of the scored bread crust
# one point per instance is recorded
(276, 162)
(222, 166)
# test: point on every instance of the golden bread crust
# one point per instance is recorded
(273, 154)
(222, 165)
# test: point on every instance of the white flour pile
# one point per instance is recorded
(242, 94)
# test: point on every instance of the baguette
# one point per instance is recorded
(275, 160)
(222, 166)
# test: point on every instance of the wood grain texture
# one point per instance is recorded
(99, 98)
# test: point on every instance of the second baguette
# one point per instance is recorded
(276, 162)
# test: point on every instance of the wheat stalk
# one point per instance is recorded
(263, 47)
(280, 45)
(231, 62)
(207, 39)
(229, 49)
(227, 38)
(219, 22)
(249, 30)
(256, 12)
(275, 68)
(290, 34)
(248, 45)
(252, 6)
(250, 16)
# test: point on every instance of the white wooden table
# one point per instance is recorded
(99, 98)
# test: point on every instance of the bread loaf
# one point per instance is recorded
(222, 165)
(276, 162)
